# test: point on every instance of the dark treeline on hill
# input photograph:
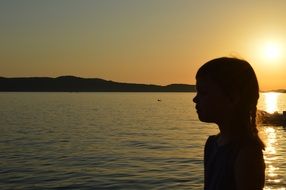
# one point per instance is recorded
(76, 84)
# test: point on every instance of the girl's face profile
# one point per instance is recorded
(211, 103)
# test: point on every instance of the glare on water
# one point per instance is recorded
(271, 156)
(270, 102)
(274, 147)
(270, 152)
(116, 141)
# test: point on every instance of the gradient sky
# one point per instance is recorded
(147, 41)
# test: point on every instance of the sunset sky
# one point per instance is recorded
(147, 41)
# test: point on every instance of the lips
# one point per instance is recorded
(197, 108)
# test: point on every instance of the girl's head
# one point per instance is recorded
(228, 91)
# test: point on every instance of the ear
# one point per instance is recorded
(234, 99)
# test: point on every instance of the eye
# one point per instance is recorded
(201, 90)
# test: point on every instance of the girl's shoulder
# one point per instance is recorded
(250, 167)
(251, 149)
(250, 144)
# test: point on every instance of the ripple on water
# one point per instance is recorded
(111, 141)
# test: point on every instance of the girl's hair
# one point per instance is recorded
(236, 78)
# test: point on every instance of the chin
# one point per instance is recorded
(205, 119)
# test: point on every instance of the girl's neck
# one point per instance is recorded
(224, 136)
(223, 139)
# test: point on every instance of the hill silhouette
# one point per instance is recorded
(77, 84)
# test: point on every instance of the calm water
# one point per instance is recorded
(115, 141)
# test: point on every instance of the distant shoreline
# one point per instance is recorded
(77, 84)
(277, 91)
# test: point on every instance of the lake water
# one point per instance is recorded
(115, 141)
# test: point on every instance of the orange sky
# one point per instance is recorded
(158, 42)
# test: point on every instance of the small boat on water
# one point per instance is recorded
(271, 118)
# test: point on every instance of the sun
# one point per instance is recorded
(271, 51)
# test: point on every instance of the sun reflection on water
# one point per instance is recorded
(271, 102)
(272, 138)
(270, 157)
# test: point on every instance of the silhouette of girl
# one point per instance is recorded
(227, 95)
